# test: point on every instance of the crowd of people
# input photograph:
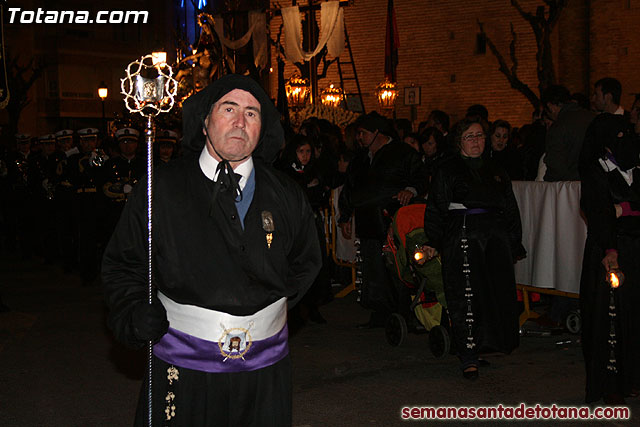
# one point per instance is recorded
(66, 192)
(63, 193)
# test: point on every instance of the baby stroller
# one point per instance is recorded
(423, 282)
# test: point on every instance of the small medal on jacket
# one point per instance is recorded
(268, 226)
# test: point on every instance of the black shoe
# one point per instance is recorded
(471, 373)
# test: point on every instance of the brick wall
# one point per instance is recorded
(573, 46)
(437, 53)
(615, 44)
(438, 42)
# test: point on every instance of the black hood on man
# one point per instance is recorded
(196, 108)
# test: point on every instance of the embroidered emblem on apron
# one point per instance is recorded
(235, 342)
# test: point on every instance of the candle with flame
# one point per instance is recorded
(332, 96)
(297, 91)
(419, 255)
(386, 92)
(615, 278)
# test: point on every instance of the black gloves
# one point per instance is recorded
(149, 321)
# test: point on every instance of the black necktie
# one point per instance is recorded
(227, 180)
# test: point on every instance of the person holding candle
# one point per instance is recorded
(472, 220)
(610, 200)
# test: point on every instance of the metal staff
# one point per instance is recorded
(149, 89)
(615, 278)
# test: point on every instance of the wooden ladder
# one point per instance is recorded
(349, 92)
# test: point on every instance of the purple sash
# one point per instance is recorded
(472, 211)
(237, 353)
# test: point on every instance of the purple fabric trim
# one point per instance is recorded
(627, 211)
(610, 157)
(473, 211)
(190, 352)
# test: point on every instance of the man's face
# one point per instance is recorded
(88, 144)
(598, 99)
(65, 143)
(364, 137)
(233, 126)
(49, 147)
(24, 147)
(128, 147)
(165, 150)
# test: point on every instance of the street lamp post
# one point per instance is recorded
(103, 91)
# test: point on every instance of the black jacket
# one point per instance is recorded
(370, 187)
(601, 188)
(202, 255)
(564, 142)
(509, 159)
(488, 187)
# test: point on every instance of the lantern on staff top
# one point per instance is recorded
(332, 96)
(297, 90)
(387, 94)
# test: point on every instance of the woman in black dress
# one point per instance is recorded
(472, 219)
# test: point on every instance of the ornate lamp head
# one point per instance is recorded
(149, 88)
(387, 92)
(297, 90)
(332, 96)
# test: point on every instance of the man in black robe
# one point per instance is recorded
(610, 199)
(233, 244)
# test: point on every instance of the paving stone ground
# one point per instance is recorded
(60, 366)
